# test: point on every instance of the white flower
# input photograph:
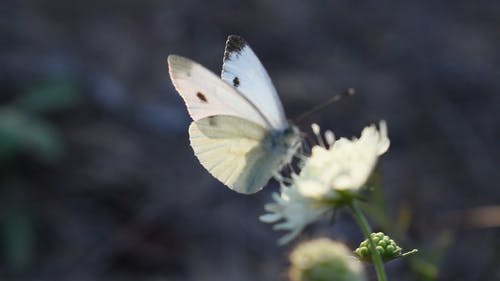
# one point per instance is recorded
(343, 167)
(330, 177)
(294, 210)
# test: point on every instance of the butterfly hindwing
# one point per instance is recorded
(234, 151)
(243, 70)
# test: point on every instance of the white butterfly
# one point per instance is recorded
(239, 131)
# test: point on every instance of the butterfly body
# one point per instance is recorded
(239, 131)
(283, 142)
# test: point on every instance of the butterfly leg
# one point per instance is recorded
(283, 181)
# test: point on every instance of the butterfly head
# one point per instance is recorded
(286, 141)
(292, 136)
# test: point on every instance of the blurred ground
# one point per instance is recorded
(106, 187)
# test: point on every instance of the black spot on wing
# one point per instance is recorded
(234, 44)
(201, 97)
(236, 82)
(212, 121)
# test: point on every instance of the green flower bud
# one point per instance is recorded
(324, 260)
(385, 246)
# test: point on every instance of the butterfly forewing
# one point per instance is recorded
(243, 70)
(205, 94)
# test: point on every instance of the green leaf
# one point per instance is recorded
(18, 230)
(49, 96)
(22, 133)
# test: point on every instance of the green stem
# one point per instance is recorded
(365, 227)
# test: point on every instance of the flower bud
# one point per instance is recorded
(385, 246)
(324, 260)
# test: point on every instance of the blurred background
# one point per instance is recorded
(98, 182)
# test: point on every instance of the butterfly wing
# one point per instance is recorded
(205, 94)
(235, 152)
(244, 71)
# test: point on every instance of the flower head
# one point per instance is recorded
(330, 177)
(324, 259)
(294, 211)
(344, 167)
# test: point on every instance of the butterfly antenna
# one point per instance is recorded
(335, 98)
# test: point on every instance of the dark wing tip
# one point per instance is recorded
(234, 43)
